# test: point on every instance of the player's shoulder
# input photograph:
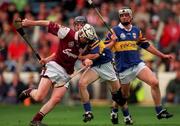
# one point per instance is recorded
(65, 31)
(134, 27)
(64, 28)
(116, 27)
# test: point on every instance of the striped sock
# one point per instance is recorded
(38, 117)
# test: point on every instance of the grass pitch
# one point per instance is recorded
(72, 116)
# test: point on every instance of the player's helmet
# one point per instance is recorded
(80, 19)
(125, 10)
(88, 32)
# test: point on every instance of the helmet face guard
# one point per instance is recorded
(125, 11)
(88, 32)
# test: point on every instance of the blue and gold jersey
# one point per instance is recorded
(126, 48)
(105, 53)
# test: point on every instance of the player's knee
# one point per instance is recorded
(118, 98)
(56, 100)
(39, 98)
(154, 83)
(82, 85)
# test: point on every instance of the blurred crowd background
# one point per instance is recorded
(159, 21)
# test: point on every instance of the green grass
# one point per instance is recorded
(72, 116)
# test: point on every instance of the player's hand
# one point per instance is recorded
(113, 37)
(87, 62)
(43, 62)
(169, 57)
(26, 22)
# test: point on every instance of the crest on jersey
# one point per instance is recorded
(134, 35)
(122, 36)
(71, 44)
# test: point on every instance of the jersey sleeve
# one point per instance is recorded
(95, 50)
(108, 36)
(107, 40)
(141, 37)
(58, 30)
(53, 28)
(98, 47)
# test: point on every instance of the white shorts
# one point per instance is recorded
(78, 65)
(130, 74)
(106, 71)
(56, 73)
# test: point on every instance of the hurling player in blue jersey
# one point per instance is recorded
(125, 43)
(101, 68)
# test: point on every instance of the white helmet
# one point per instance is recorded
(88, 32)
(125, 10)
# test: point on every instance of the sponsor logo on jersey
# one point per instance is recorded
(134, 35)
(126, 46)
(122, 36)
(68, 52)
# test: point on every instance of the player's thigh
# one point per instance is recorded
(147, 76)
(88, 77)
(114, 85)
(44, 86)
(58, 93)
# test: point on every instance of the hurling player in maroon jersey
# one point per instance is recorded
(58, 66)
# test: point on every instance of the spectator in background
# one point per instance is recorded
(3, 88)
(164, 10)
(136, 91)
(16, 50)
(30, 62)
(141, 14)
(11, 97)
(170, 38)
(16, 87)
(42, 14)
(45, 48)
(3, 54)
(173, 88)
(3, 50)
(7, 34)
(31, 84)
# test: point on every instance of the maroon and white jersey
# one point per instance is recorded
(68, 48)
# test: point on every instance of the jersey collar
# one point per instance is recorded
(121, 26)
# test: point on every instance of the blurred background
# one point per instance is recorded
(159, 21)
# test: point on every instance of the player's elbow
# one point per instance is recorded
(154, 83)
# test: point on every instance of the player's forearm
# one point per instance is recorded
(89, 56)
(51, 57)
(27, 22)
(154, 51)
(42, 23)
(110, 44)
